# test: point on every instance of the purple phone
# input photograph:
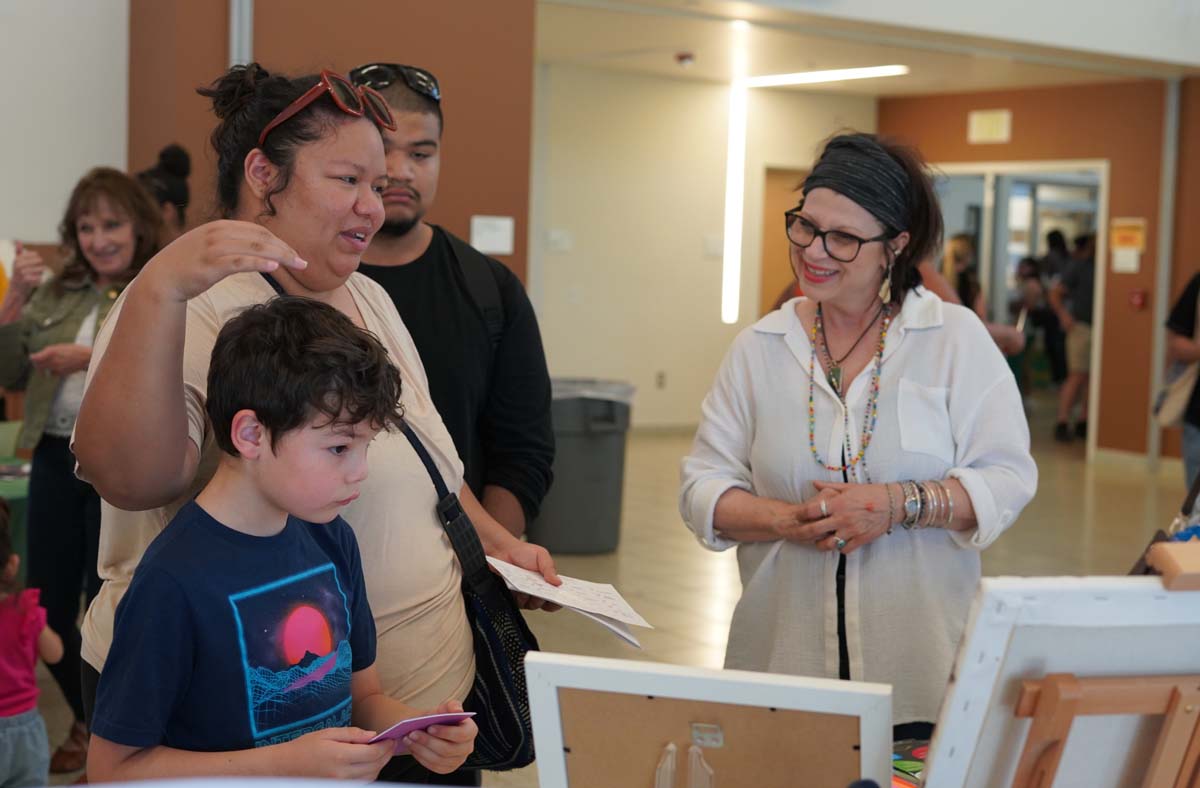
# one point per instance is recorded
(405, 727)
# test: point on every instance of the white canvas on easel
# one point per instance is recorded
(1026, 628)
(556, 683)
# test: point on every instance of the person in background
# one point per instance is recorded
(24, 636)
(1053, 264)
(961, 270)
(1071, 300)
(1028, 308)
(110, 229)
(1183, 346)
(167, 181)
(858, 529)
(468, 314)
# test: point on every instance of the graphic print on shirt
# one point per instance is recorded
(294, 636)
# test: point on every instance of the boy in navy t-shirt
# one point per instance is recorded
(245, 643)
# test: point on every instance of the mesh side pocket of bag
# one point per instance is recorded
(499, 696)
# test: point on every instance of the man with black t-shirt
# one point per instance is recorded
(468, 314)
(1183, 345)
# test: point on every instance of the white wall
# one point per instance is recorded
(631, 169)
(65, 105)
(1159, 30)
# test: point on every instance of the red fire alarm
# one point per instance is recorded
(1138, 298)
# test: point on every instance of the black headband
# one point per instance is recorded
(857, 166)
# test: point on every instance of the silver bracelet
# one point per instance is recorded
(912, 504)
(891, 507)
(940, 492)
(949, 504)
(927, 513)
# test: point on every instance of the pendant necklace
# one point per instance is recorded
(834, 374)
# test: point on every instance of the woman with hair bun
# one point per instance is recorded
(167, 181)
(300, 173)
(860, 446)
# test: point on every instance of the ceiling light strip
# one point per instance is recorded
(818, 77)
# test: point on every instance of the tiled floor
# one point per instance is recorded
(1085, 520)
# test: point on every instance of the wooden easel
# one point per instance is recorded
(1055, 701)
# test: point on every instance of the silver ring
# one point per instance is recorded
(824, 508)
(839, 543)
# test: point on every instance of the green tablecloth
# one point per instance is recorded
(15, 491)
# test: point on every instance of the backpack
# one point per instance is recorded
(481, 286)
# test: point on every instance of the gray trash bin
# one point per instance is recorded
(582, 512)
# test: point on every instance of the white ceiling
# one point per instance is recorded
(645, 37)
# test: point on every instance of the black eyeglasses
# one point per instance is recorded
(380, 75)
(841, 246)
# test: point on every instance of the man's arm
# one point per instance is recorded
(515, 429)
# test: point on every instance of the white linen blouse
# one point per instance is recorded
(948, 407)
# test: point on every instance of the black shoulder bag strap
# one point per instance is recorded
(459, 528)
(481, 285)
(278, 288)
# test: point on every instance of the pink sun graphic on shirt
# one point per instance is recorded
(306, 631)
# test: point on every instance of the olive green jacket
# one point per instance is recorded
(48, 319)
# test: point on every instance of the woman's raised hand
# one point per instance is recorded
(28, 270)
(198, 259)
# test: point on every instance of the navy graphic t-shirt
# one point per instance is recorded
(226, 641)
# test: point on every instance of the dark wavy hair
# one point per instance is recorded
(167, 179)
(294, 360)
(124, 195)
(245, 99)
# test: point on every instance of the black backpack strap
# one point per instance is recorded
(459, 528)
(481, 285)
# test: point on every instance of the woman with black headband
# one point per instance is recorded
(860, 446)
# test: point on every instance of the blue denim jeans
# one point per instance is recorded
(1191, 453)
(24, 750)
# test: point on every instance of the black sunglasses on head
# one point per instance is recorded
(380, 75)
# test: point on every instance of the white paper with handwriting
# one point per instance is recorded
(600, 602)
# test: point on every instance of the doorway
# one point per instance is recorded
(1008, 208)
(781, 192)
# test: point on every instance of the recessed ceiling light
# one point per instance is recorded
(815, 77)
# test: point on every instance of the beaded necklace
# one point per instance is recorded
(834, 375)
(872, 411)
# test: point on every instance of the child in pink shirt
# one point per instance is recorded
(24, 636)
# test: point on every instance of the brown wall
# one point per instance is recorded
(481, 53)
(1119, 122)
(174, 47)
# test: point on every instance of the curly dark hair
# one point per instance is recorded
(247, 98)
(124, 195)
(293, 360)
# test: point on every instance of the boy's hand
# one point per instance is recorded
(338, 754)
(443, 748)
